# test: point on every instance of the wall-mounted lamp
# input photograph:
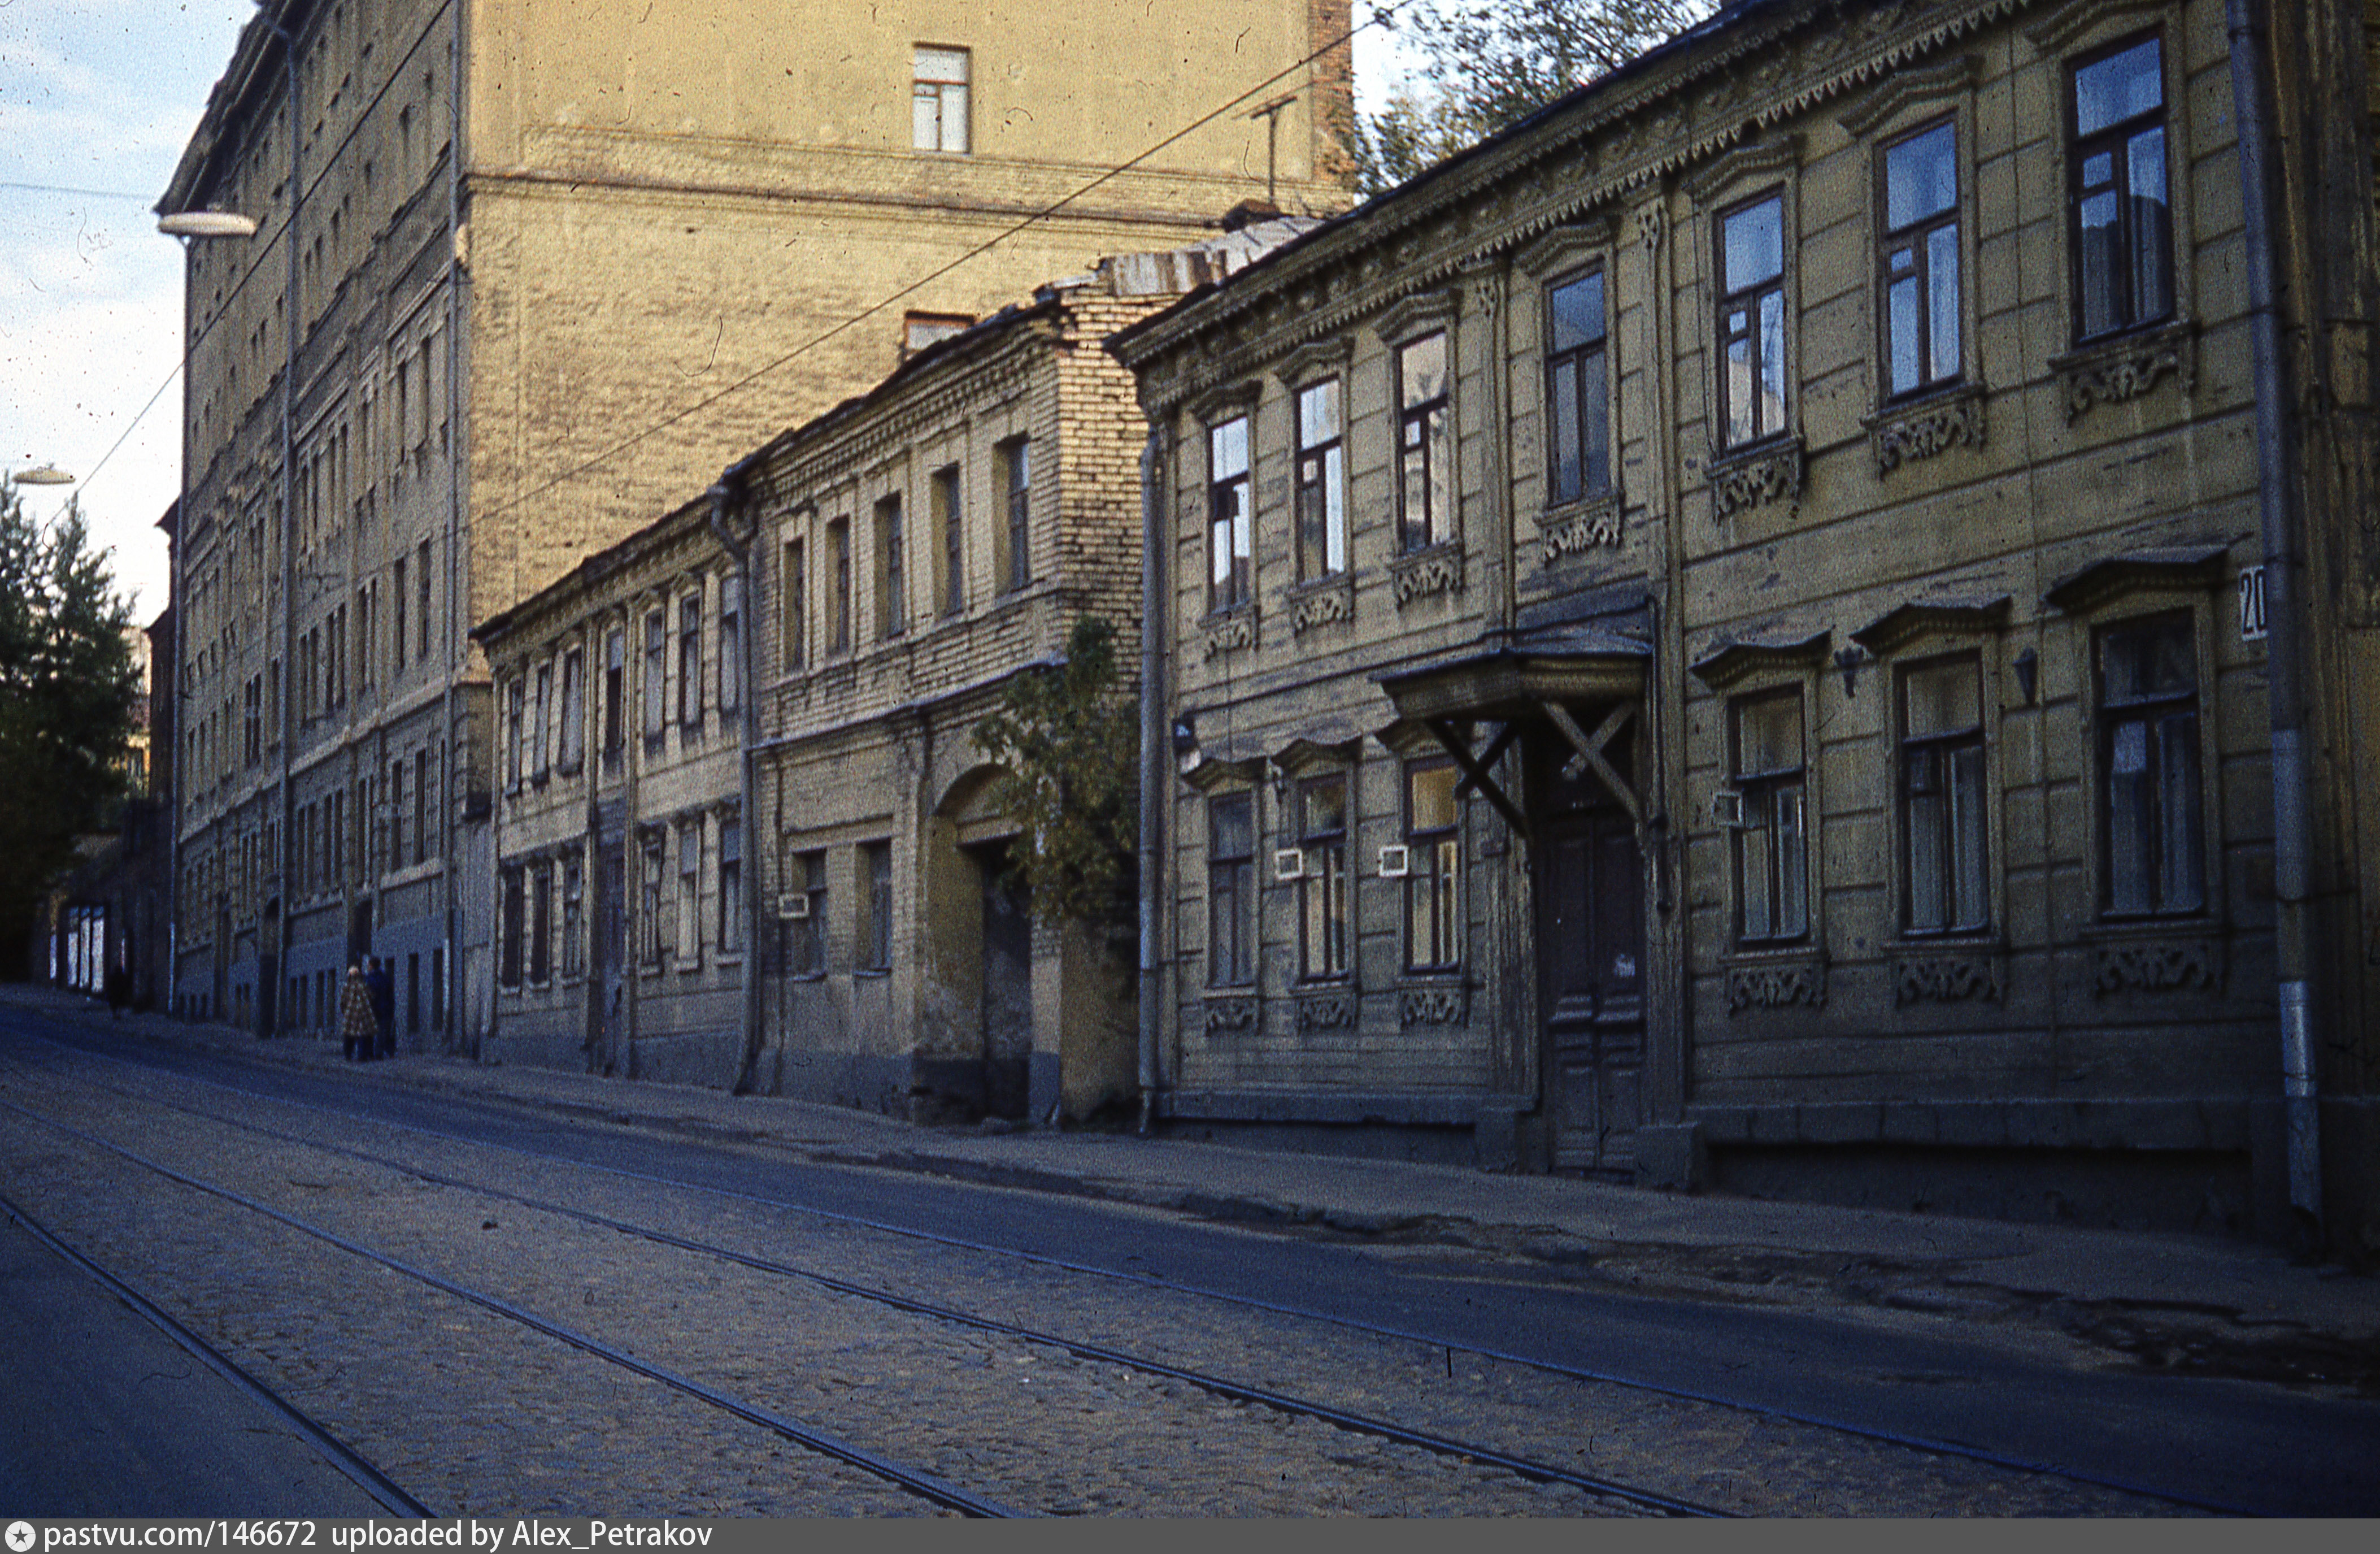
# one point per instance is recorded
(1849, 661)
(2028, 674)
(1186, 735)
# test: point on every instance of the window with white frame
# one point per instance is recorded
(1231, 569)
(937, 99)
(1321, 481)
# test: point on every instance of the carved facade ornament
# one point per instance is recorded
(1326, 1012)
(1946, 979)
(1320, 604)
(2127, 369)
(1908, 433)
(1648, 228)
(1426, 572)
(1235, 628)
(1230, 1013)
(1575, 529)
(2157, 967)
(1745, 481)
(1781, 986)
(1434, 1006)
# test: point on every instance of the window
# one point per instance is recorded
(1772, 888)
(540, 924)
(1321, 481)
(689, 893)
(397, 597)
(515, 729)
(421, 811)
(731, 644)
(1920, 259)
(1425, 446)
(892, 605)
(946, 523)
(1016, 478)
(571, 732)
(1322, 879)
(510, 964)
(689, 661)
(920, 330)
(397, 813)
(2123, 225)
(1231, 574)
(2149, 795)
(422, 601)
(648, 902)
(656, 669)
(1578, 421)
(797, 606)
(731, 885)
(875, 932)
(1230, 890)
(574, 918)
(1944, 822)
(938, 100)
(838, 545)
(540, 731)
(1751, 322)
(1434, 854)
(806, 955)
(616, 653)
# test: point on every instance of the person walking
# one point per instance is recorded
(357, 1028)
(383, 981)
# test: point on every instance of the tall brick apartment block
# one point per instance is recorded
(525, 275)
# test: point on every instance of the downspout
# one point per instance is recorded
(2284, 587)
(1153, 747)
(727, 491)
(452, 840)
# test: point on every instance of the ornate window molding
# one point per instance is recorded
(1417, 315)
(1905, 433)
(1320, 603)
(1730, 663)
(2056, 32)
(1566, 248)
(1326, 1012)
(1777, 985)
(1423, 573)
(1445, 1003)
(1230, 631)
(1315, 359)
(1909, 87)
(1764, 473)
(2109, 371)
(1947, 976)
(2137, 966)
(1227, 1012)
(1949, 617)
(1578, 527)
(1775, 158)
(1221, 404)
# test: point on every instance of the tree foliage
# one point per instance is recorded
(68, 697)
(1487, 63)
(1068, 740)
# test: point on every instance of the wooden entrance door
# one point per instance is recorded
(1590, 895)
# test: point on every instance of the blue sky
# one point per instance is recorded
(97, 98)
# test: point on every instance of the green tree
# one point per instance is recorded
(1067, 738)
(1482, 67)
(68, 694)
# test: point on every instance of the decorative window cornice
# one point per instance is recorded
(2172, 569)
(1304, 757)
(1908, 86)
(1222, 404)
(1211, 775)
(1315, 359)
(1728, 662)
(1772, 158)
(1417, 315)
(1896, 629)
(1567, 248)
(2054, 33)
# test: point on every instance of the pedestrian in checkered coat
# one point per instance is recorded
(358, 1031)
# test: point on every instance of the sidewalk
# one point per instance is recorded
(2199, 1306)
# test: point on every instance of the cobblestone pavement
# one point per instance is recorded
(476, 1415)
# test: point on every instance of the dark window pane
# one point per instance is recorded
(1594, 419)
(2095, 261)
(1569, 456)
(1577, 309)
(1755, 245)
(1902, 329)
(1942, 303)
(2152, 227)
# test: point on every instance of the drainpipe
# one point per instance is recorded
(724, 493)
(2284, 591)
(1153, 748)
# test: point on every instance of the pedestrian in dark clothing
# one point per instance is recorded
(118, 988)
(357, 1032)
(383, 981)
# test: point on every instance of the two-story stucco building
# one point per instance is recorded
(1735, 632)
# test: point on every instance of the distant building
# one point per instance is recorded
(1721, 635)
(526, 235)
(910, 552)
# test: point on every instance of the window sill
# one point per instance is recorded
(727, 958)
(870, 973)
(811, 977)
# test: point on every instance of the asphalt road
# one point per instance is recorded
(2207, 1441)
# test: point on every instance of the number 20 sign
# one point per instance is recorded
(2252, 604)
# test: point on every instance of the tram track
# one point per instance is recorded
(1097, 1353)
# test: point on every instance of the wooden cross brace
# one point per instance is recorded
(1590, 756)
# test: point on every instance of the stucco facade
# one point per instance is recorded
(1716, 637)
(549, 267)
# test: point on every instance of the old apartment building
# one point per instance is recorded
(524, 276)
(840, 612)
(1759, 628)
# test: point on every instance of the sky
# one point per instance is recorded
(97, 99)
